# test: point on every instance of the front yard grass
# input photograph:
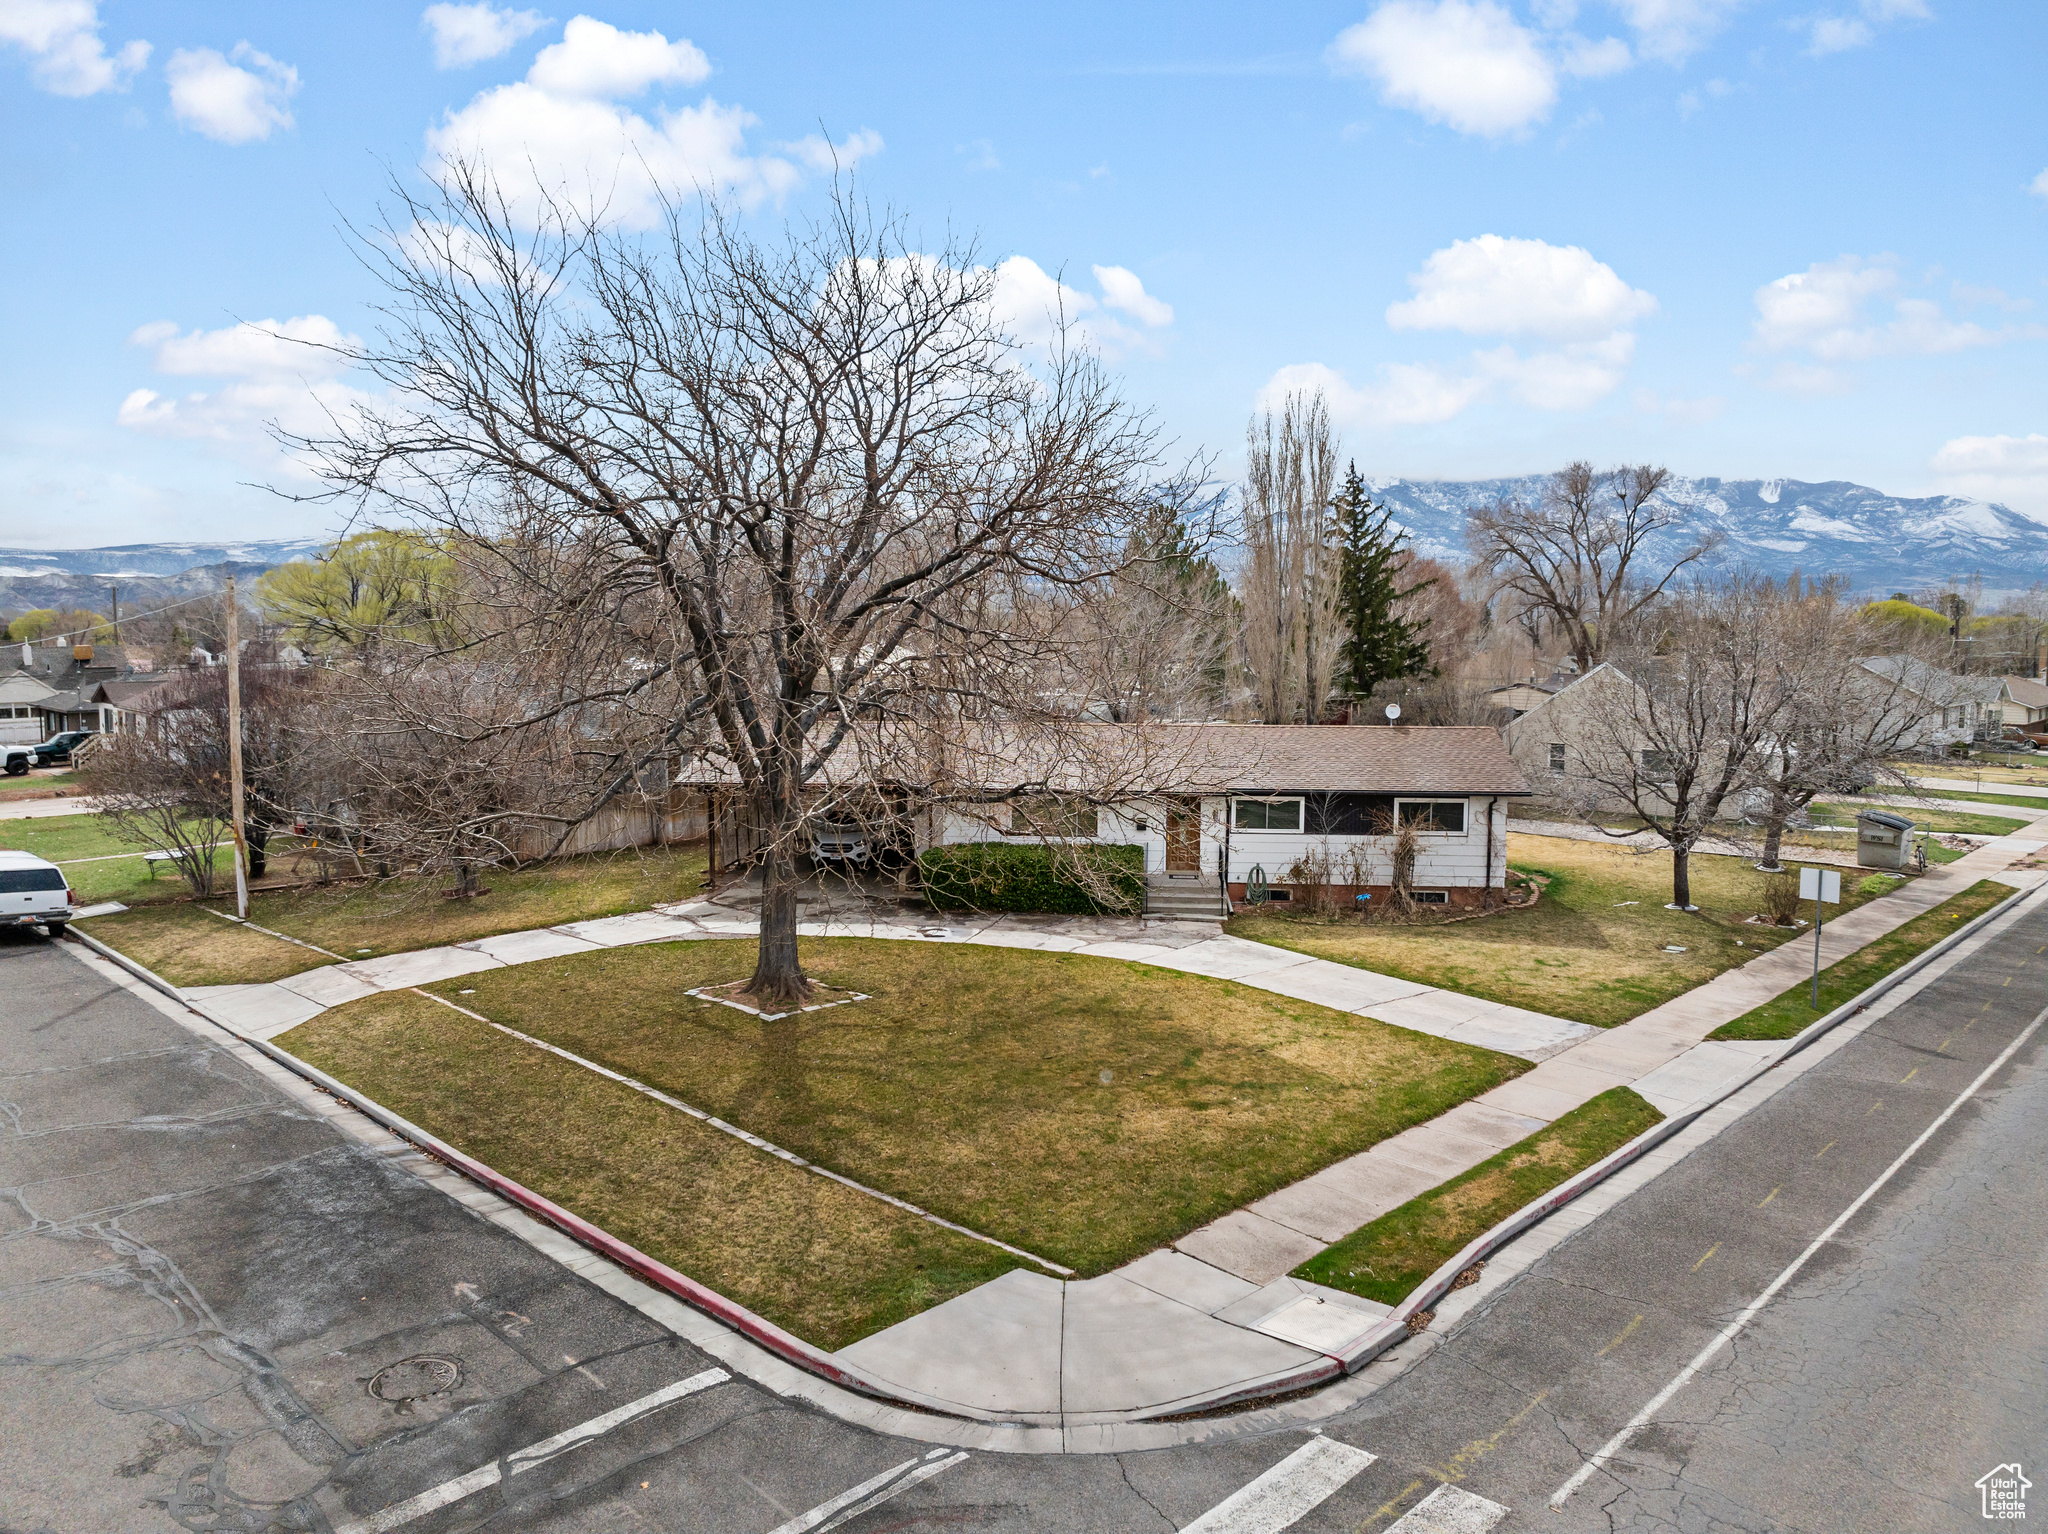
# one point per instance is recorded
(812, 1256)
(1084, 1109)
(1971, 795)
(1385, 1260)
(1942, 822)
(357, 921)
(1792, 1011)
(188, 945)
(1592, 949)
(99, 864)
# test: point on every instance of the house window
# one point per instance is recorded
(1656, 765)
(1430, 897)
(1266, 814)
(1052, 817)
(1444, 816)
(1557, 756)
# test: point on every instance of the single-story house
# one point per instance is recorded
(1952, 708)
(1520, 698)
(1220, 807)
(1546, 742)
(47, 688)
(2024, 703)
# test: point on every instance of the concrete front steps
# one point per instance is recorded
(1191, 898)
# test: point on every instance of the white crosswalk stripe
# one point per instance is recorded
(1449, 1510)
(522, 1460)
(872, 1492)
(1283, 1495)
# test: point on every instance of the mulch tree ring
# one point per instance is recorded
(730, 995)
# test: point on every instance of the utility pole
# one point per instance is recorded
(235, 755)
(114, 600)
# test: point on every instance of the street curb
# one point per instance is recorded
(1395, 1327)
(756, 1329)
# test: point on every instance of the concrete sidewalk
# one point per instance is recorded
(32, 809)
(1214, 1315)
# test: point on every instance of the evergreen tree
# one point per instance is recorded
(1380, 644)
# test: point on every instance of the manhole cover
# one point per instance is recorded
(411, 1379)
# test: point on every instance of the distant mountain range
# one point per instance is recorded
(147, 573)
(1882, 543)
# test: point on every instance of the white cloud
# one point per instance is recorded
(2039, 185)
(1824, 310)
(1674, 30)
(1837, 34)
(1465, 63)
(1121, 289)
(2009, 469)
(1511, 287)
(1593, 61)
(596, 59)
(63, 38)
(1404, 394)
(1567, 378)
(227, 102)
(292, 372)
(562, 132)
(1558, 295)
(1032, 304)
(469, 34)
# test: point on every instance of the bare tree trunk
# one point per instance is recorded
(779, 981)
(1681, 878)
(1774, 834)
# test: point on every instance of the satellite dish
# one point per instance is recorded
(1393, 712)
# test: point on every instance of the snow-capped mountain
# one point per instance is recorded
(1882, 543)
(136, 559)
(146, 572)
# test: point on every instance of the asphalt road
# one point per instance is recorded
(217, 1312)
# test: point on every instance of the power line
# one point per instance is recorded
(133, 618)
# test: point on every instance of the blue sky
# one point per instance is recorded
(1747, 240)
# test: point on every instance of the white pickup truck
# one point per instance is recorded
(34, 890)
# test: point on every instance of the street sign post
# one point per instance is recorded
(1819, 885)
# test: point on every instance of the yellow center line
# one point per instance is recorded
(1703, 1261)
(1771, 1195)
(1909, 1075)
(2008, 980)
(1943, 1044)
(1455, 1467)
(1388, 1508)
(1825, 1149)
(1623, 1335)
(1873, 1107)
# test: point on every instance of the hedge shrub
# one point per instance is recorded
(1006, 876)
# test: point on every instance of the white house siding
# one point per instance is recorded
(1114, 826)
(1445, 861)
(21, 723)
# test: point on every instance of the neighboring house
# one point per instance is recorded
(1520, 698)
(1544, 742)
(21, 714)
(2024, 703)
(1952, 708)
(1252, 800)
(56, 681)
(128, 705)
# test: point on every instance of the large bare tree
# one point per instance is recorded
(1676, 729)
(1849, 721)
(1577, 555)
(813, 476)
(1289, 582)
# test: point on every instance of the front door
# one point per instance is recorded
(1184, 839)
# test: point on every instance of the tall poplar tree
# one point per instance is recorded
(1380, 645)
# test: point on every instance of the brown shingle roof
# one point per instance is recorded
(1112, 760)
(2026, 691)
